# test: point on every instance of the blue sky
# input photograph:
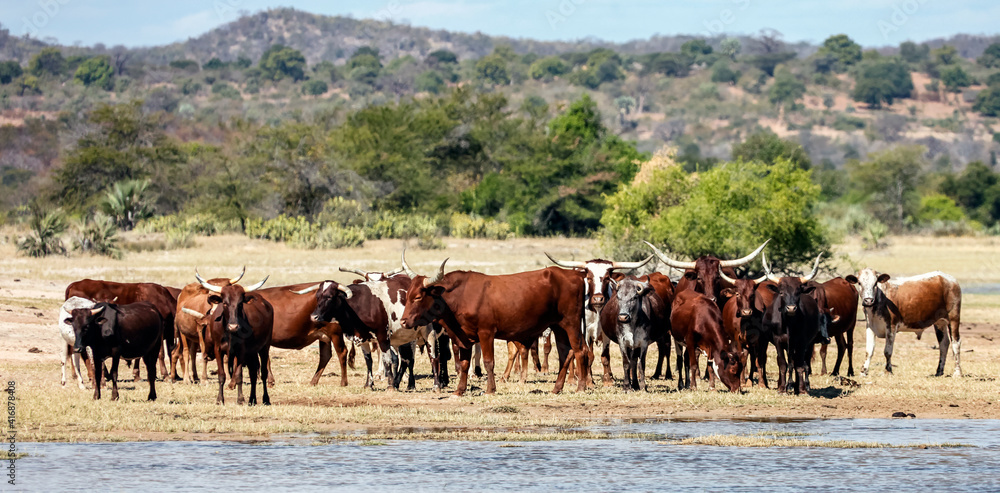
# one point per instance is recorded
(870, 22)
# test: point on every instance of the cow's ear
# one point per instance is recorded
(808, 288)
(692, 275)
(68, 321)
(249, 299)
(758, 304)
(851, 279)
(883, 278)
(214, 299)
(728, 292)
(435, 290)
(773, 288)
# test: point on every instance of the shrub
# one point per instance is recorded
(127, 204)
(99, 236)
(874, 233)
(179, 238)
(201, 224)
(224, 90)
(44, 238)
(314, 87)
(472, 226)
(387, 224)
(938, 207)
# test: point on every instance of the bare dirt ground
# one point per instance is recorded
(31, 290)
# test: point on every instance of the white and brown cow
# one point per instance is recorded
(911, 304)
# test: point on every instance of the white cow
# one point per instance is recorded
(69, 338)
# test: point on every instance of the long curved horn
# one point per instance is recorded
(760, 279)
(255, 287)
(393, 272)
(569, 264)
(211, 287)
(406, 268)
(437, 277)
(815, 270)
(767, 269)
(669, 261)
(629, 265)
(354, 271)
(193, 313)
(237, 278)
(95, 311)
(726, 278)
(308, 290)
(347, 292)
(745, 260)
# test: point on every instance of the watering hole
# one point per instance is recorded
(654, 462)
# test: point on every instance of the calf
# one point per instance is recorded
(911, 304)
(840, 300)
(119, 331)
(241, 322)
(633, 318)
(696, 324)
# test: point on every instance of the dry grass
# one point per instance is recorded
(31, 291)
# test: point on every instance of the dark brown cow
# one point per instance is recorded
(742, 312)
(192, 328)
(126, 293)
(696, 324)
(702, 275)
(911, 304)
(840, 300)
(475, 307)
(119, 331)
(241, 323)
(796, 317)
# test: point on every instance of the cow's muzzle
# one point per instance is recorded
(868, 302)
(790, 309)
(624, 318)
(746, 312)
(78, 348)
(598, 299)
(234, 327)
(316, 319)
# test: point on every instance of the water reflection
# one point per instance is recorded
(597, 465)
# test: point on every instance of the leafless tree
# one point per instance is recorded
(120, 56)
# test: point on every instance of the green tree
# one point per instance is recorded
(314, 87)
(696, 50)
(954, 79)
(722, 73)
(787, 89)
(669, 64)
(214, 64)
(27, 84)
(767, 62)
(46, 233)
(977, 190)
(914, 53)
(889, 180)
(768, 148)
(938, 207)
(492, 69)
(548, 68)
(280, 61)
(990, 57)
(9, 70)
(945, 55)
(429, 81)
(97, 72)
(846, 51)
(882, 81)
(988, 102)
(127, 203)
(731, 47)
(441, 57)
(365, 65)
(48, 61)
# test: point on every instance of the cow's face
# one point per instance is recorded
(705, 276)
(790, 291)
(867, 281)
(598, 275)
(744, 294)
(731, 373)
(629, 294)
(423, 303)
(330, 300)
(230, 310)
(91, 324)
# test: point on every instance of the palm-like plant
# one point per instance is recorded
(100, 237)
(127, 203)
(46, 230)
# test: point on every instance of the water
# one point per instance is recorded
(296, 464)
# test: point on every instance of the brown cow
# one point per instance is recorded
(840, 300)
(475, 307)
(911, 304)
(126, 293)
(192, 328)
(742, 312)
(241, 323)
(697, 321)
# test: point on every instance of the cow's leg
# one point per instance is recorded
(444, 354)
(890, 339)
(609, 378)
(956, 344)
(486, 342)
(338, 344)
(666, 343)
(822, 356)
(869, 349)
(850, 351)
(411, 383)
(782, 367)
(114, 377)
(253, 367)
(238, 378)
(160, 364)
(97, 375)
(760, 355)
(190, 362)
(692, 364)
(565, 354)
(265, 359)
(222, 375)
(390, 361)
(406, 356)
(366, 352)
(841, 349)
(626, 368)
(523, 356)
(944, 342)
(135, 369)
(150, 359)
(546, 349)
(512, 353)
(641, 363)
(534, 357)
(462, 360)
(479, 359)
(325, 353)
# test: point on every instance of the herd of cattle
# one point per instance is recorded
(709, 310)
